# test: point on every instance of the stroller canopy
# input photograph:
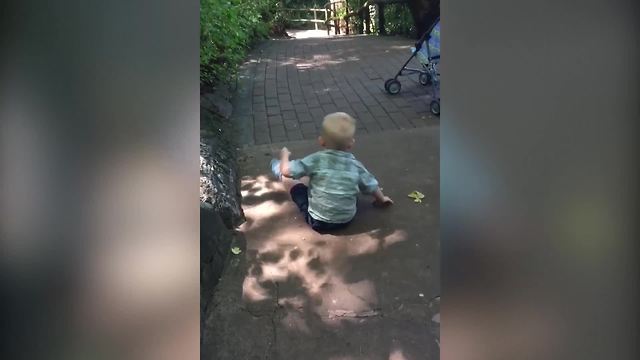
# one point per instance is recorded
(430, 46)
(434, 40)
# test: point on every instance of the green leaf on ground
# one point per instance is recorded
(417, 196)
(236, 250)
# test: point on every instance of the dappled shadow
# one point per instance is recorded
(367, 60)
(276, 197)
(336, 287)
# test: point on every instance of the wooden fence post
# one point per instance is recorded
(367, 20)
(315, 19)
(326, 21)
(381, 21)
(346, 19)
(336, 22)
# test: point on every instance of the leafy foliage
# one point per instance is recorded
(227, 29)
(398, 20)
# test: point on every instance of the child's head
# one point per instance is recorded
(338, 130)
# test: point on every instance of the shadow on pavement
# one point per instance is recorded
(354, 294)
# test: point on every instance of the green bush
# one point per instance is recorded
(227, 29)
(398, 20)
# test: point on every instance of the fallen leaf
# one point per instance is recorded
(417, 196)
(236, 250)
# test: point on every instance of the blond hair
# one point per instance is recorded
(338, 130)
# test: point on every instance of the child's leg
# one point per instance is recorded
(300, 196)
(324, 227)
(289, 183)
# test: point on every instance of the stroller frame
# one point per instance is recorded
(428, 74)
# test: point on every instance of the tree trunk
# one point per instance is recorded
(425, 13)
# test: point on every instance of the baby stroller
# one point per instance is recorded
(427, 50)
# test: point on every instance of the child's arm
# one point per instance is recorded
(284, 162)
(369, 185)
(294, 169)
(380, 199)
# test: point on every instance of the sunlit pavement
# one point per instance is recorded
(364, 293)
(307, 34)
(287, 86)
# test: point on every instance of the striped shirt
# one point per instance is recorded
(335, 179)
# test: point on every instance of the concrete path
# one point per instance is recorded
(288, 85)
(361, 294)
(366, 293)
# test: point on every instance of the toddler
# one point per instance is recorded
(335, 177)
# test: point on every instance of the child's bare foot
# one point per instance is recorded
(386, 202)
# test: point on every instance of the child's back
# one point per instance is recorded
(335, 177)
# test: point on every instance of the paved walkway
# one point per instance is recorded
(288, 86)
(367, 292)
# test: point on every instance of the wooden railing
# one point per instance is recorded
(316, 20)
(333, 18)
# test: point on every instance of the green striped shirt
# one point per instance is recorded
(336, 178)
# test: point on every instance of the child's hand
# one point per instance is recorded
(383, 203)
(285, 152)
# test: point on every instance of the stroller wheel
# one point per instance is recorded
(386, 84)
(393, 86)
(425, 79)
(435, 107)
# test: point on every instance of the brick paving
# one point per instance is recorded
(287, 87)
